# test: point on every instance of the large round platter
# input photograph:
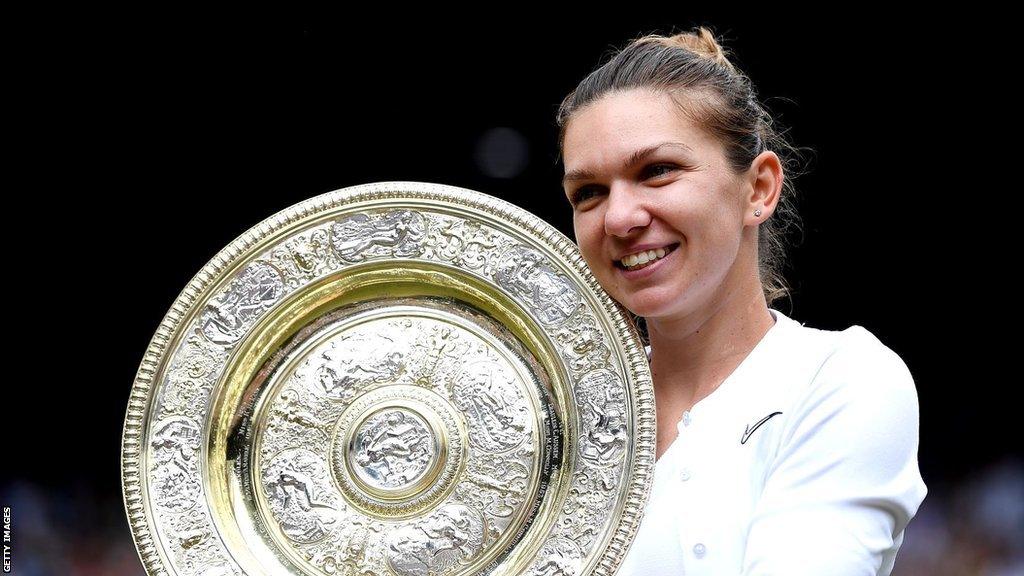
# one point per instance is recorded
(398, 378)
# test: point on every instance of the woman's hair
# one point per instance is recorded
(693, 69)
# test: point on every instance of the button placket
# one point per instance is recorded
(684, 423)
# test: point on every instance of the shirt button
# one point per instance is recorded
(686, 418)
(684, 474)
(699, 550)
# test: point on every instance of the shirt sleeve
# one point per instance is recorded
(845, 481)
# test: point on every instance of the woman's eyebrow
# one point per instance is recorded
(634, 159)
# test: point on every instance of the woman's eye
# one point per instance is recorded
(582, 194)
(660, 169)
(653, 171)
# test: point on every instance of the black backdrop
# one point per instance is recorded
(146, 148)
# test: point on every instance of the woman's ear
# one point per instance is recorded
(765, 177)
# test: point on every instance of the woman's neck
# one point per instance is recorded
(692, 355)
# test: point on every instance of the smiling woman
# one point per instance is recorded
(782, 449)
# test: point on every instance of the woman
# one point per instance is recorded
(782, 449)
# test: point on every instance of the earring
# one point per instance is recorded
(757, 212)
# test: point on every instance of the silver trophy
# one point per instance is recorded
(398, 378)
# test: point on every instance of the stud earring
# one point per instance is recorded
(757, 212)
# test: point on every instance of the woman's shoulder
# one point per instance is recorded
(856, 366)
(854, 344)
(860, 409)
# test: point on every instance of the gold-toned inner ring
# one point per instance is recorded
(237, 513)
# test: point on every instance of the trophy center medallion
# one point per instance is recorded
(396, 451)
(391, 450)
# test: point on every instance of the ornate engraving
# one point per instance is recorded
(305, 257)
(528, 275)
(217, 570)
(582, 344)
(437, 544)
(345, 367)
(251, 293)
(393, 448)
(497, 486)
(439, 352)
(197, 360)
(290, 410)
(397, 233)
(601, 399)
(300, 496)
(590, 496)
(558, 557)
(190, 377)
(464, 243)
(175, 463)
(357, 551)
(495, 406)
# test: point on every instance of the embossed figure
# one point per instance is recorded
(440, 350)
(305, 257)
(393, 448)
(465, 242)
(253, 292)
(556, 565)
(607, 430)
(177, 443)
(395, 233)
(434, 545)
(290, 409)
(527, 274)
(308, 254)
(491, 395)
(560, 557)
(364, 362)
(451, 532)
(504, 488)
(333, 386)
(584, 347)
(288, 485)
(298, 491)
(387, 369)
(174, 466)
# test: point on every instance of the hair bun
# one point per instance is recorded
(701, 42)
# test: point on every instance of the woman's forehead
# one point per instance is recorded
(619, 125)
(587, 157)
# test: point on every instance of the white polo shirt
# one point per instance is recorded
(802, 462)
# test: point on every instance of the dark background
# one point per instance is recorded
(146, 148)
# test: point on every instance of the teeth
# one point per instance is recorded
(642, 258)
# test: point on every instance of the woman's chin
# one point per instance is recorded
(648, 303)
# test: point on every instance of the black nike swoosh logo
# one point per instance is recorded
(749, 430)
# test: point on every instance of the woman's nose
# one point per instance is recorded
(625, 212)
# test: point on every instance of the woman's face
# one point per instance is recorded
(644, 177)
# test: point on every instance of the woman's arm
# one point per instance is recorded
(845, 482)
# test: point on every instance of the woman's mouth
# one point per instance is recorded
(644, 259)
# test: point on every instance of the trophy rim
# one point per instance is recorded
(639, 468)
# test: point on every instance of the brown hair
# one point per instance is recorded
(694, 70)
